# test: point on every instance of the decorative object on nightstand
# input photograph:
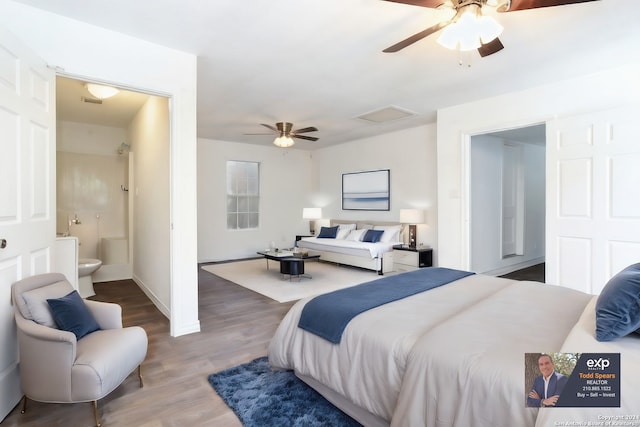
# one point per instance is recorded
(312, 214)
(412, 217)
(406, 258)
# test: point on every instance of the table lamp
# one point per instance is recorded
(412, 217)
(312, 214)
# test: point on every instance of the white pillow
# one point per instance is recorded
(346, 227)
(356, 235)
(344, 230)
(36, 301)
(391, 232)
(342, 233)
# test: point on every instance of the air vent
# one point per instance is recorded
(386, 114)
(91, 100)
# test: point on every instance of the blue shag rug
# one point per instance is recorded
(263, 397)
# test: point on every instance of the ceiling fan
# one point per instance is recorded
(469, 29)
(286, 133)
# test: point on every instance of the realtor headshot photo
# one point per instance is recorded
(545, 389)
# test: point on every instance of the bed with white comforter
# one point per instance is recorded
(450, 356)
(346, 250)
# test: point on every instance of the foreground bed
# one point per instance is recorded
(450, 356)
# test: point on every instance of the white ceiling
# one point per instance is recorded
(320, 63)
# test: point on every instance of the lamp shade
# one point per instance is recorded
(411, 216)
(283, 141)
(470, 30)
(311, 213)
(101, 91)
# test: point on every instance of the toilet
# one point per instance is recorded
(86, 267)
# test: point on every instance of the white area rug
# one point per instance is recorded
(253, 274)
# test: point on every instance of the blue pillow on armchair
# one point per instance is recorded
(328, 232)
(71, 314)
(372, 236)
(618, 306)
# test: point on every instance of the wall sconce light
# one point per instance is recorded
(412, 217)
(312, 214)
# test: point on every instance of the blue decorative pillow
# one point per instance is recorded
(372, 236)
(618, 306)
(71, 314)
(328, 232)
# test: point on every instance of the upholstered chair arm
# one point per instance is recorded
(50, 381)
(108, 315)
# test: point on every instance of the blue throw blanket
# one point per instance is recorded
(327, 315)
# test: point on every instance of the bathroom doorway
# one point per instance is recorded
(95, 167)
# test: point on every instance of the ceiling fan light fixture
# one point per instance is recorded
(470, 30)
(101, 91)
(283, 141)
(488, 28)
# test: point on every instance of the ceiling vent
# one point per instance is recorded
(386, 114)
(91, 100)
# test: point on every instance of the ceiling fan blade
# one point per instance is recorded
(270, 127)
(514, 5)
(308, 138)
(304, 130)
(424, 3)
(490, 48)
(416, 37)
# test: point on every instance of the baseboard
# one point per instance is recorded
(111, 272)
(9, 390)
(185, 329)
(155, 300)
(511, 268)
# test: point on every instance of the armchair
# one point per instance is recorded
(55, 366)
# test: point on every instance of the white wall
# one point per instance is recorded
(90, 174)
(285, 185)
(293, 179)
(594, 92)
(410, 154)
(85, 51)
(148, 134)
(486, 155)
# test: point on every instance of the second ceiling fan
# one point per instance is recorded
(286, 133)
(469, 29)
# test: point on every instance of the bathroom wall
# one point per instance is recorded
(90, 173)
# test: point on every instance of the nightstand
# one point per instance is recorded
(300, 236)
(407, 259)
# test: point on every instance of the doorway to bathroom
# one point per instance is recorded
(95, 166)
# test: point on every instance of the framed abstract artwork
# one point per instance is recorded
(366, 191)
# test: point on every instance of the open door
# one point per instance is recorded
(593, 212)
(512, 201)
(27, 192)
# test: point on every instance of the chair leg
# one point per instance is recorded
(140, 375)
(24, 404)
(95, 413)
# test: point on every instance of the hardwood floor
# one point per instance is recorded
(535, 273)
(236, 326)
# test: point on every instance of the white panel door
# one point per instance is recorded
(593, 208)
(512, 201)
(27, 189)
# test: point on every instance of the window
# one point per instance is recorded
(243, 195)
